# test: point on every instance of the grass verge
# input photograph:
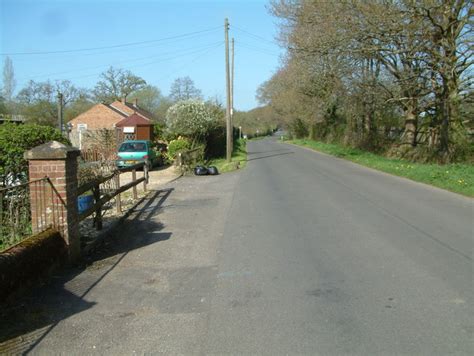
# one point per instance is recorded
(239, 158)
(458, 178)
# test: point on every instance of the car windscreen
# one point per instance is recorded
(133, 147)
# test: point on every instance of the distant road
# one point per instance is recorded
(322, 256)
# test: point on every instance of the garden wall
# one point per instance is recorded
(30, 261)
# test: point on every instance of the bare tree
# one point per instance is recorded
(9, 82)
(357, 59)
(184, 89)
(117, 84)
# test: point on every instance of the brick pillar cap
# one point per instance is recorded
(52, 150)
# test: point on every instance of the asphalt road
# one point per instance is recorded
(322, 256)
(299, 253)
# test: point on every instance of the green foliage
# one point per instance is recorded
(261, 120)
(3, 106)
(16, 139)
(149, 97)
(159, 131)
(192, 119)
(216, 142)
(298, 128)
(41, 113)
(457, 178)
(239, 158)
(176, 146)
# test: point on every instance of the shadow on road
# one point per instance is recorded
(29, 319)
(269, 156)
(249, 153)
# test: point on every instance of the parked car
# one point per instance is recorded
(133, 152)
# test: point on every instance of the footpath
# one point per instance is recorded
(146, 290)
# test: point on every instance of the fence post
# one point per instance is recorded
(134, 178)
(117, 197)
(145, 174)
(98, 210)
(58, 162)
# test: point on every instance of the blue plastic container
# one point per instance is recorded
(84, 202)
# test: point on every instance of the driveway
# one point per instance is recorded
(148, 290)
(157, 177)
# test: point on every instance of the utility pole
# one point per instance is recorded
(228, 104)
(60, 111)
(232, 92)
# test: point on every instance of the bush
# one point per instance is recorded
(15, 140)
(299, 129)
(176, 146)
(192, 119)
(216, 142)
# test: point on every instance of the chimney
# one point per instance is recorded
(124, 99)
(135, 102)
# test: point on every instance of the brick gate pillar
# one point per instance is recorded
(58, 162)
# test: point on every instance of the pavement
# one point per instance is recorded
(157, 177)
(299, 253)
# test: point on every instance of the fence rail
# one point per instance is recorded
(186, 159)
(19, 221)
(102, 194)
(94, 155)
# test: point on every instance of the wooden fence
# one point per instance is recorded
(103, 196)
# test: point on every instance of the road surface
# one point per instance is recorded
(299, 253)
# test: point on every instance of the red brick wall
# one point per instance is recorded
(46, 206)
(98, 117)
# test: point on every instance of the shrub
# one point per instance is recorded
(216, 142)
(176, 146)
(192, 119)
(15, 140)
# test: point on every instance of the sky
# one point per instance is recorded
(175, 39)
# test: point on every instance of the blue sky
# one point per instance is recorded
(40, 26)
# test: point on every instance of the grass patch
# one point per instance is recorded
(239, 158)
(458, 178)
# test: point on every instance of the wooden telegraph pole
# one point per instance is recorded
(60, 111)
(232, 93)
(228, 104)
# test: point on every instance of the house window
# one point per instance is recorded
(81, 127)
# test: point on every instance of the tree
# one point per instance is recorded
(366, 67)
(116, 84)
(9, 82)
(449, 35)
(184, 89)
(3, 107)
(160, 113)
(149, 97)
(81, 103)
(192, 119)
(38, 100)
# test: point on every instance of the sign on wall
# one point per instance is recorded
(128, 129)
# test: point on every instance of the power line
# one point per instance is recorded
(254, 35)
(185, 52)
(179, 69)
(65, 56)
(257, 49)
(110, 47)
(202, 52)
(158, 61)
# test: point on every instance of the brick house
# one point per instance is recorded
(136, 127)
(104, 116)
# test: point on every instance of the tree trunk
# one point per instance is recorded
(411, 125)
(312, 131)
